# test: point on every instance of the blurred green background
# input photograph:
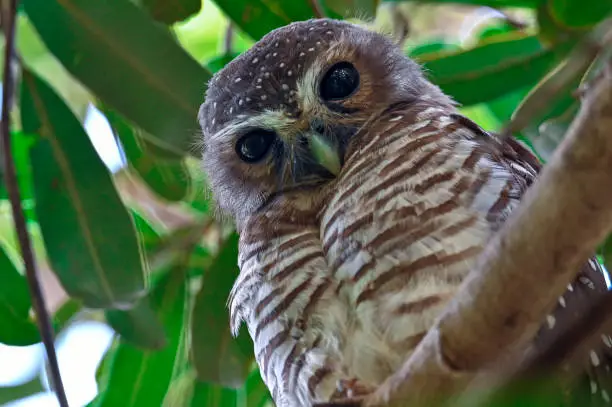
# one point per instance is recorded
(135, 268)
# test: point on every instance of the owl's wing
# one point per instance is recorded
(594, 388)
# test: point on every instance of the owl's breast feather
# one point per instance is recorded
(410, 212)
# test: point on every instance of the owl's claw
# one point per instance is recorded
(350, 392)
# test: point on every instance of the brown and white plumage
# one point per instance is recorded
(343, 273)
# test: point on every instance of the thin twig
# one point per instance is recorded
(317, 10)
(10, 180)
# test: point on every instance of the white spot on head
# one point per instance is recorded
(213, 121)
(281, 65)
(594, 358)
(324, 24)
(289, 73)
(275, 54)
(262, 69)
(329, 32)
(605, 396)
(276, 45)
(310, 49)
(550, 320)
(285, 86)
(267, 74)
(237, 80)
(258, 80)
(248, 99)
(258, 87)
(302, 54)
(606, 340)
(214, 105)
(264, 97)
(395, 118)
(267, 55)
(240, 102)
(231, 110)
(570, 287)
(562, 301)
(255, 60)
(311, 29)
(318, 43)
(593, 387)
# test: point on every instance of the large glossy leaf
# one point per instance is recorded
(15, 326)
(205, 394)
(488, 3)
(187, 391)
(582, 14)
(490, 70)
(258, 17)
(217, 356)
(128, 61)
(138, 326)
(138, 377)
(171, 11)
(168, 178)
(88, 233)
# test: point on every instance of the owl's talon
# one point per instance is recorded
(350, 390)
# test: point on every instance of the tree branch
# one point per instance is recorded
(523, 270)
(10, 180)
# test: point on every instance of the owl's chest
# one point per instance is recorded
(399, 234)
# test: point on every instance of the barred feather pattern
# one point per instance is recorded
(347, 292)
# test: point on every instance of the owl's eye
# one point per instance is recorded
(339, 82)
(254, 145)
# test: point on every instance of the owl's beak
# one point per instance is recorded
(325, 152)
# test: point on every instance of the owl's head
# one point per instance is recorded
(281, 116)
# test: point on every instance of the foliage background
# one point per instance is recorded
(137, 247)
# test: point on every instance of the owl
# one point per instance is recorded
(362, 199)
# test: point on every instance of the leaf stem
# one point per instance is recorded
(10, 180)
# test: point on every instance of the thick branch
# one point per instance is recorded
(524, 269)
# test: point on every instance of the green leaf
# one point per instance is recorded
(171, 11)
(138, 326)
(256, 390)
(128, 61)
(64, 314)
(138, 377)
(187, 391)
(493, 69)
(259, 17)
(362, 9)
(581, 14)
(20, 147)
(16, 327)
(217, 63)
(29, 388)
(87, 231)
(148, 236)
(488, 3)
(168, 178)
(436, 47)
(217, 356)
(205, 394)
